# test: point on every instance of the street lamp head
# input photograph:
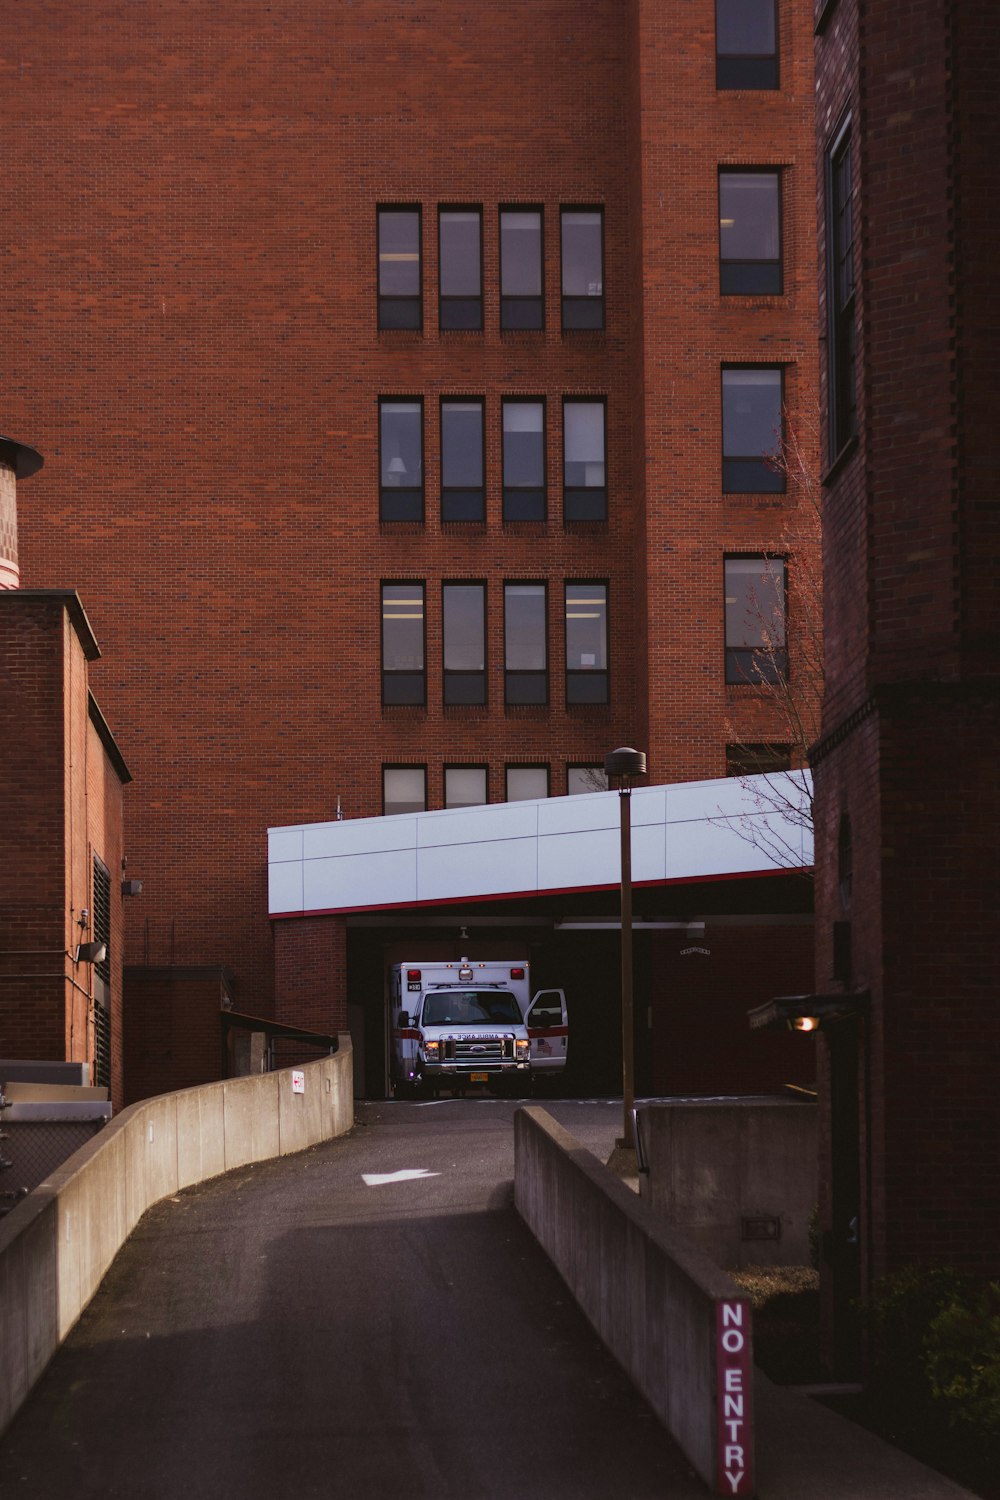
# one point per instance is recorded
(624, 763)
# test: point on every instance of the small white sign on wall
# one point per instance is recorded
(298, 1082)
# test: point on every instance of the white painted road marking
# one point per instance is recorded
(376, 1179)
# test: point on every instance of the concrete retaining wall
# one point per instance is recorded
(57, 1244)
(738, 1179)
(667, 1313)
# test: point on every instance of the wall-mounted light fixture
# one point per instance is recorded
(91, 953)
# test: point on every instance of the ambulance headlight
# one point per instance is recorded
(522, 1050)
(432, 1051)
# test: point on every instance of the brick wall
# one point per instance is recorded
(310, 973)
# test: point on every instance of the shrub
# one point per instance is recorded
(962, 1363)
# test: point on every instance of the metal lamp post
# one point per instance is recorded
(626, 764)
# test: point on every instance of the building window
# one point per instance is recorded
(404, 789)
(757, 760)
(585, 493)
(752, 398)
(403, 677)
(465, 786)
(464, 625)
(746, 44)
(755, 619)
(524, 461)
(841, 332)
(586, 643)
(582, 268)
(750, 233)
(521, 304)
(401, 460)
(460, 247)
(463, 493)
(399, 278)
(584, 778)
(527, 783)
(526, 674)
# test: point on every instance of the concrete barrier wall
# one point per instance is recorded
(57, 1244)
(666, 1312)
(736, 1178)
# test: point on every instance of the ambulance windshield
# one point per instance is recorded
(471, 1008)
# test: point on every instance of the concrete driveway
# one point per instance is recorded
(295, 1330)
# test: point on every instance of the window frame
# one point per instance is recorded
(731, 263)
(382, 298)
(775, 481)
(446, 300)
(534, 765)
(575, 496)
(567, 303)
(841, 314)
(398, 765)
(450, 674)
(524, 674)
(577, 675)
(734, 676)
(387, 674)
(387, 491)
(522, 208)
(457, 765)
(736, 70)
(453, 497)
(540, 494)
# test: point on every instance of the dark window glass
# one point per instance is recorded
(524, 461)
(752, 430)
(399, 268)
(755, 619)
(526, 677)
(521, 268)
(465, 786)
(403, 643)
(525, 783)
(585, 493)
(750, 233)
(586, 643)
(404, 789)
(746, 44)
(401, 459)
(580, 779)
(582, 268)
(757, 760)
(461, 284)
(841, 332)
(463, 496)
(464, 619)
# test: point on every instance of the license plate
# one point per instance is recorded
(479, 1078)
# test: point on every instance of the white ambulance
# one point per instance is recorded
(468, 1022)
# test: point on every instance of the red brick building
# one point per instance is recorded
(408, 379)
(906, 784)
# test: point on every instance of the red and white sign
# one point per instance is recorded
(734, 1392)
(298, 1082)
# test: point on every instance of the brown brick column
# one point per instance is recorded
(310, 973)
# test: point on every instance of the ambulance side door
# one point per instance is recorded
(548, 1031)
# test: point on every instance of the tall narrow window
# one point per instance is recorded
(463, 494)
(586, 643)
(464, 624)
(842, 398)
(755, 619)
(460, 236)
(403, 677)
(585, 778)
(404, 789)
(752, 430)
(521, 303)
(526, 675)
(746, 44)
(401, 459)
(585, 492)
(525, 783)
(399, 304)
(750, 233)
(464, 786)
(524, 461)
(582, 268)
